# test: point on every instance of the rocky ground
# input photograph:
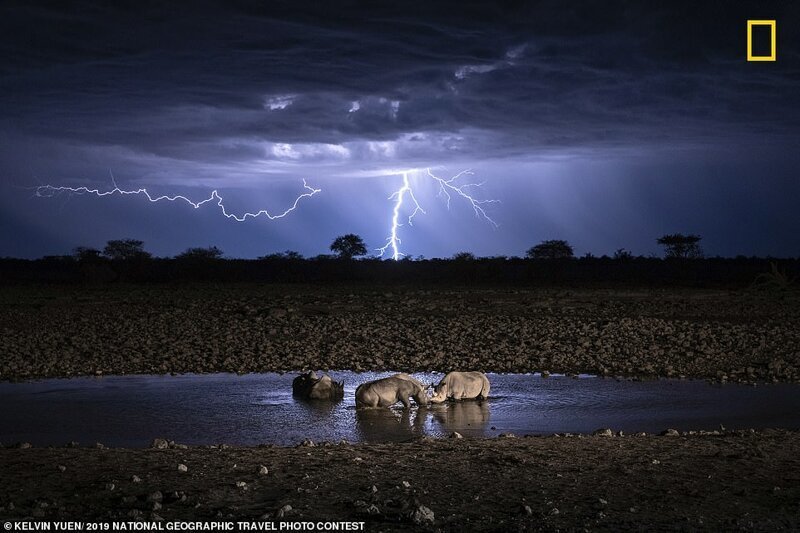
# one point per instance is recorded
(113, 329)
(713, 481)
(724, 482)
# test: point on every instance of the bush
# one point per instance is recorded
(125, 250)
(679, 246)
(553, 249)
(211, 253)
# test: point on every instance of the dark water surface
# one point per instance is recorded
(259, 409)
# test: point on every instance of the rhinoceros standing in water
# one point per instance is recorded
(388, 391)
(309, 387)
(461, 386)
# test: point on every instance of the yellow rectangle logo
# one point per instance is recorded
(773, 51)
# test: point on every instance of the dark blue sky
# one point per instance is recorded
(605, 123)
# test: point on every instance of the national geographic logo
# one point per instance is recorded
(761, 40)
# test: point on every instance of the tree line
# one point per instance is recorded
(351, 246)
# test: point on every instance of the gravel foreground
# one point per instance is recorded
(731, 481)
(58, 331)
(714, 481)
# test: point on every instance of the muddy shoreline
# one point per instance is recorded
(58, 331)
(724, 481)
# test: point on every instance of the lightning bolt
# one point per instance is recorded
(447, 188)
(48, 191)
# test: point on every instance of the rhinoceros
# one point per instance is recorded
(388, 391)
(310, 387)
(461, 386)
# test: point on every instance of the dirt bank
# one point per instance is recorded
(722, 482)
(62, 331)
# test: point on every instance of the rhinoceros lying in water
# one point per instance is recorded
(388, 391)
(461, 386)
(309, 387)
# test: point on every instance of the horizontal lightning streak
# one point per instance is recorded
(48, 191)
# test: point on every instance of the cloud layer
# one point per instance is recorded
(236, 94)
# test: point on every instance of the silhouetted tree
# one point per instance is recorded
(553, 249)
(679, 246)
(348, 246)
(125, 250)
(288, 254)
(200, 254)
(464, 256)
(623, 255)
(85, 254)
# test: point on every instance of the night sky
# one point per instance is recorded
(606, 124)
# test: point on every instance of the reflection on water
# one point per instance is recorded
(470, 418)
(259, 408)
(376, 425)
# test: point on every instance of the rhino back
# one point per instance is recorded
(385, 392)
(466, 384)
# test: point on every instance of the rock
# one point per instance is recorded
(174, 496)
(159, 444)
(156, 506)
(422, 516)
(183, 468)
(134, 513)
(156, 496)
(263, 470)
(156, 517)
(307, 443)
(605, 432)
(363, 507)
(507, 436)
(241, 484)
(283, 511)
(456, 435)
(670, 433)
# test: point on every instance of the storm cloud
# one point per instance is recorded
(239, 94)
